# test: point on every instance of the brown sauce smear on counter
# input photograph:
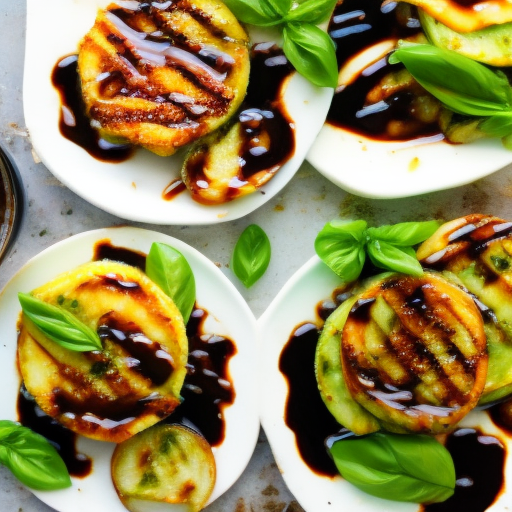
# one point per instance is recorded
(479, 458)
(207, 389)
(355, 26)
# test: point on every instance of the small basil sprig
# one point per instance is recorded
(343, 246)
(461, 84)
(413, 468)
(251, 255)
(59, 325)
(310, 50)
(31, 458)
(170, 270)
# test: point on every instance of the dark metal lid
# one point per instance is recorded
(12, 202)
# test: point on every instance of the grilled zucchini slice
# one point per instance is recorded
(163, 74)
(477, 251)
(136, 379)
(414, 352)
(163, 466)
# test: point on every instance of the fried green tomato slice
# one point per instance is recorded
(163, 74)
(475, 251)
(129, 385)
(413, 353)
(163, 466)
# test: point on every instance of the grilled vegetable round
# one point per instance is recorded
(414, 353)
(163, 74)
(165, 464)
(129, 385)
(476, 252)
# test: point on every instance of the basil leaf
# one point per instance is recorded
(312, 11)
(312, 53)
(497, 126)
(389, 257)
(251, 255)
(413, 468)
(462, 84)
(254, 12)
(341, 247)
(31, 458)
(280, 7)
(170, 270)
(404, 233)
(59, 325)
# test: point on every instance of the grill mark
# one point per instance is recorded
(412, 318)
(204, 19)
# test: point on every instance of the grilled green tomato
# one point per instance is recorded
(136, 379)
(163, 74)
(491, 45)
(476, 250)
(413, 352)
(163, 466)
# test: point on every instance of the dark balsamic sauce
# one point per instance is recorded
(74, 124)
(207, 389)
(175, 188)
(262, 117)
(479, 466)
(355, 26)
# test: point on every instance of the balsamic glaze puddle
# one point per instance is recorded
(207, 389)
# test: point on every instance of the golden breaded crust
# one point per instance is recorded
(136, 379)
(161, 75)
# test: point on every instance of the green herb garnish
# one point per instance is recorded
(59, 325)
(310, 50)
(398, 467)
(31, 458)
(462, 85)
(251, 255)
(343, 246)
(170, 270)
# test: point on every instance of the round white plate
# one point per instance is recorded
(229, 316)
(388, 170)
(133, 189)
(294, 305)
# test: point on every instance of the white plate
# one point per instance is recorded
(294, 305)
(388, 170)
(229, 316)
(133, 189)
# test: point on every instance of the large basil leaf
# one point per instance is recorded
(340, 246)
(59, 325)
(170, 270)
(31, 458)
(390, 257)
(312, 53)
(462, 84)
(397, 467)
(251, 255)
(253, 12)
(312, 11)
(404, 233)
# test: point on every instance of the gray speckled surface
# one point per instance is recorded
(291, 220)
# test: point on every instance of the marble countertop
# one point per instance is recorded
(291, 220)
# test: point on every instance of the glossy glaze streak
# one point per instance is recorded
(355, 26)
(265, 128)
(31, 416)
(74, 124)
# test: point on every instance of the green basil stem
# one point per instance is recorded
(31, 458)
(59, 325)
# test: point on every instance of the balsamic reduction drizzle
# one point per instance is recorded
(207, 389)
(74, 124)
